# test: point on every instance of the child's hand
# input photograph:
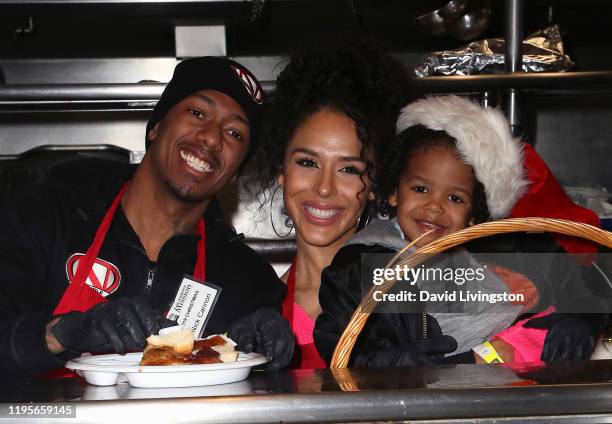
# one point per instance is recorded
(420, 352)
(504, 350)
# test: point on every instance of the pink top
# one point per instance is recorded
(528, 343)
(303, 325)
(306, 355)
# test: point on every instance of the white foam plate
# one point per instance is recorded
(125, 391)
(104, 370)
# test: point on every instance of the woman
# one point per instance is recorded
(331, 114)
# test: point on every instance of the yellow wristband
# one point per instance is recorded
(487, 352)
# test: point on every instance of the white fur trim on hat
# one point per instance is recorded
(483, 140)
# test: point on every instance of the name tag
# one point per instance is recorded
(193, 304)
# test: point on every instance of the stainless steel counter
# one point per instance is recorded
(570, 392)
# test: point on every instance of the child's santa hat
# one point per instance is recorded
(503, 164)
(483, 140)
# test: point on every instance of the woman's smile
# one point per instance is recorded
(320, 214)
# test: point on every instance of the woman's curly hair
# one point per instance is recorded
(357, 80)
(404, 146)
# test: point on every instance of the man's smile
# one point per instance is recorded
(197, 164)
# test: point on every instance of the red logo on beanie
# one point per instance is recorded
(103, 277)
(250, 84)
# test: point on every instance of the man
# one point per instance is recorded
(90, 266)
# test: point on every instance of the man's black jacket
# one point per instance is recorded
(44, 228)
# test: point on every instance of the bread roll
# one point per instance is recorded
(178, 338)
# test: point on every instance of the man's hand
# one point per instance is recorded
(52, 344)
(570, 336)
(117, 326)
(265, 331)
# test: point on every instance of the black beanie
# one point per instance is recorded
(212, 73)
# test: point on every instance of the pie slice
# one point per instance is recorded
(176, 346)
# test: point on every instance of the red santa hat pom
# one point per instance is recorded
(546, 198)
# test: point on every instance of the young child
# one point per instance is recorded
(454, 164)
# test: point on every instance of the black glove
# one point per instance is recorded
(265, 331)
(570, 336)
(419, 352)
(117, 326)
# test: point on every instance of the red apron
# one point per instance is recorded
(307, 355)
(79, 297)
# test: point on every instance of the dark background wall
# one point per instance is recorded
(114, 41)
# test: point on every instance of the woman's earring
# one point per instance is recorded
(366, 216)
(288, 222)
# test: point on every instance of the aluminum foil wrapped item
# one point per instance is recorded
(542, 52)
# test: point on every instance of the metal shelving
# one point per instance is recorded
(545, 81)
(69, 2)
(144, 95)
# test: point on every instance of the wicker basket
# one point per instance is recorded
(367, 305)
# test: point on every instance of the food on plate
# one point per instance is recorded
(178, 338)
(176, 346)
(224, 346)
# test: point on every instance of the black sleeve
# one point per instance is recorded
(340, 294)
(262, 286)
(248, 284)
(580, 288)
(25, 253)
(573, 283)
(273, 290)
(585, 294)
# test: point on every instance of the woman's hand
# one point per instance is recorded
(570, 336)
(265, 331)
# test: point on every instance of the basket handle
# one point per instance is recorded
(345, 344)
